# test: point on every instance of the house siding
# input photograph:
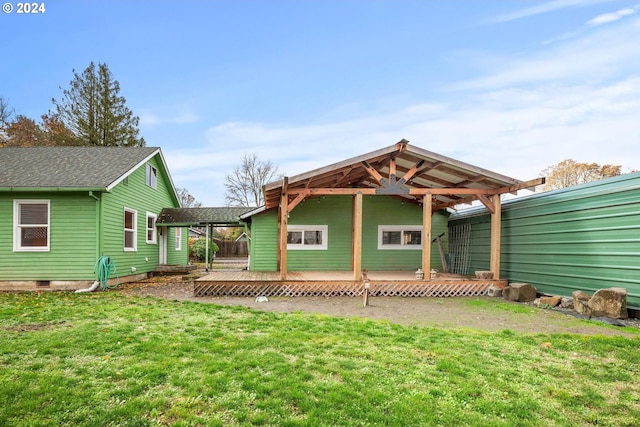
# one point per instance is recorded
(135, 194)
(73, 236)
(336, 212)
(585, 238)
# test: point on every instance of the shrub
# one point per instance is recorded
(198, 248)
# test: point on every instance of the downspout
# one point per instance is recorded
(98, 223)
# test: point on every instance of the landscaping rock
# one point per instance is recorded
(566, 302)
(520, 292)
(610, 302)
(552, 301)
(484, 275)
(494, 291)
(581, 303)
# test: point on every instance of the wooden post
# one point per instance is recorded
(496, 220)
(426, 236)
(284, 219)
(356, 237)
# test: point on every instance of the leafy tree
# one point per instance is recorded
(95, 113)
(569, 172)
(244, 185)
(186, 199)
(24, 132)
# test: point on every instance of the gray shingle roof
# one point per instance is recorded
(200, 216)
(68, 167)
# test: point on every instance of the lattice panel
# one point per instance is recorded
(342, 289)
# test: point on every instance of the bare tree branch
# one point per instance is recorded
(244, 185)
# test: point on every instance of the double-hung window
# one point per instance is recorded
(307, 237)
(31, 225)
(151, 228)
(399, 237)
(130, 230)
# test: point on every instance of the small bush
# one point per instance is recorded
(198, 248)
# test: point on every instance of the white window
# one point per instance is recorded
(399, 237)
(151, 228)
(31, 225)
(152, 176)
(130, 229)
(307, 237)
(178, 239)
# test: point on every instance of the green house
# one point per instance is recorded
(63, 208)
(383, 210)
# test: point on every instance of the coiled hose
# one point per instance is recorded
(104, 268)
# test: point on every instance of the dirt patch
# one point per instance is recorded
(479, 313)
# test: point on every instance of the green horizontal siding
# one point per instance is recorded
(585, 238)
(135, 194)
(336, 212)
(264, 241)
(73, 239)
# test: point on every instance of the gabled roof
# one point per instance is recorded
(70, 168)
(225, 216)
(384, 171)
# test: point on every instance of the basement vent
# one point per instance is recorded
(42, 283)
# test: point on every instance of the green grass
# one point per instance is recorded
(105, 359)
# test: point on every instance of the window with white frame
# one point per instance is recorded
(152, 176)
(130, 230)
(31, 225)
(151, 228)
(178, 236)
(399, 237)
(307, 237)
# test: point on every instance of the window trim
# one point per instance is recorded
(151, 179)
(133, 230)
(402, 229)
(178, 238)
(17, 227)
(154, 229)
(307, 247)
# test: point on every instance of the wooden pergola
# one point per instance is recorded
(415, 175)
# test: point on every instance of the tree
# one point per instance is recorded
(186, 199)
(6, 113)
(24, 132)
(95, 113)
(244, 185)
(569, 172)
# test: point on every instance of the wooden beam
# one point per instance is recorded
(496, 220)
(372, 190)
(487, 202)
(374, 173)
(411, 172)
(520, 186)
(426, 236)
(295, 202)
(357, 237)
(392, 168)
(284, 219)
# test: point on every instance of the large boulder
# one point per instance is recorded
(610, 302)
(520, 292)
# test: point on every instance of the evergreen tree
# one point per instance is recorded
(95, 113)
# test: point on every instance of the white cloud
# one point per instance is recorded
(185, 116)
(550, 6)
(606, 18)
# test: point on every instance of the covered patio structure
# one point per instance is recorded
(410, 174)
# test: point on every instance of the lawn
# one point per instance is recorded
(106, 359)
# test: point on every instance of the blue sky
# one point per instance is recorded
(511, 86)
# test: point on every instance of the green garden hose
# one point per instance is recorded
(104, 268)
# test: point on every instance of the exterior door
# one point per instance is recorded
(162, 244)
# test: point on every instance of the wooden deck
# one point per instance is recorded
(338, 283)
